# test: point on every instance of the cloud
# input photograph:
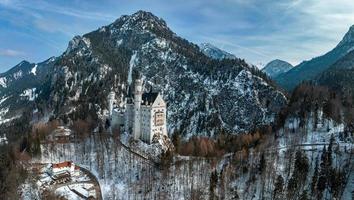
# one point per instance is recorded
(11, 53)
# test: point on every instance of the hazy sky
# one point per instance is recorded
(256, 30)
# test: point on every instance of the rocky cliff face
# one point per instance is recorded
(205, 96)
(214, 52)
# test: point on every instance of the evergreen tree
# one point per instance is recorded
(262, 164)
(301, 168)
(213, 183)
(322, 179)
(314, 178)
(304, 195)
(278, 187)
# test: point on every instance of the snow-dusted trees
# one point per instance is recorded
(298, 178)
(278, 188)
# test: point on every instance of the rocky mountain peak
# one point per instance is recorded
(141, 20)
(77, 42)
(348, 37)
(204, 96)
(276, 67)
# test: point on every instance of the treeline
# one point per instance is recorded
(308, 98)
(305, 183)
(12, 173)
(221, 144)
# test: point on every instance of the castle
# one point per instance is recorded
(143, 115)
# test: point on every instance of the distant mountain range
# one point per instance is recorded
(205, 96)
(309, 70)
(276, 67)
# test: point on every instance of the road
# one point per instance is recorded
(147, 160)
(97, 184)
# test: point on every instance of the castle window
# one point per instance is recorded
(159, 118)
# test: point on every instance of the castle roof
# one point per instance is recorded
(62, 164)
(149, 98)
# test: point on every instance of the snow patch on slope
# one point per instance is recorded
(132, 63)
(30, 93)
(3, 82)
(34, 70)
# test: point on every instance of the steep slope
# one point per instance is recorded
(340, 75)
(214, 52)
(18, 87)
(308, 70)
(204, 96)
(276, 67)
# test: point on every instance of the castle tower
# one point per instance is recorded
(137, 102)
(111, 99)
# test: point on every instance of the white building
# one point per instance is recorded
(62, 167)
(144, 115)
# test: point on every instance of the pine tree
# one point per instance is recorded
(314, 178)
(278, 187)
(322, 180)
(262, 164)
(304, 195)
(213, 183)
(298, 177)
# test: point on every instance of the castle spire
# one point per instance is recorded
(137, 103)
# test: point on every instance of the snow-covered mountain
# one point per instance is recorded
(215, 52)
(205, 96)
(276, 67)
(18, 86)
(309, 70)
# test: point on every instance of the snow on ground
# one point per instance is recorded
(30, 93)
(34, 70)
(152, 151)
(67, 193)
(86, 189)
(124, 175)
(3, 99)
(28, 191)
(17, 74)
(3, 82)
(3, 112)
(5, 120)
(132, 63)
(314, 132)
(3, 139)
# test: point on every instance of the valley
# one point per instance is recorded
(131, 110)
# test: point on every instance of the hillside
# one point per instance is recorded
(18, 87)
(309, 70)
(200, 91)
(214, 52)
(232, 133)
(340, 75)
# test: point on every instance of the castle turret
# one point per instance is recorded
(137, 102)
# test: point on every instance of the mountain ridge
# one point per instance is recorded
(308, 70)
(200, 91)
(215, 52)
